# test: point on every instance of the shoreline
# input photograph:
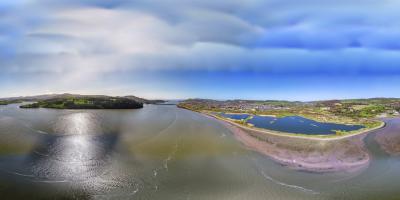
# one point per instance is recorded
(317, 155)
(295, 135)
(297, 162)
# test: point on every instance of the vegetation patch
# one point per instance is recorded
(6, 102)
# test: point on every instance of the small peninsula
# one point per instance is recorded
(319, 136)
(68, 101)
(344, 117)
(77, 101)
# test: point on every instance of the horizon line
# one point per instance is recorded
(205, 98)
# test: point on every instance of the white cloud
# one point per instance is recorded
(75, 43)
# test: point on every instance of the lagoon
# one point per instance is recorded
(292, 124)
(235, 116)
(300, 125)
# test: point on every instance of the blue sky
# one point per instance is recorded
(269, 49)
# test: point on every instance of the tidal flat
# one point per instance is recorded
(304, 153)
(389, 138)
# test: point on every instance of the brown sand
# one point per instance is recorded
(344, 155)
(389, 137)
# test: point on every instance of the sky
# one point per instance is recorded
(226, 49)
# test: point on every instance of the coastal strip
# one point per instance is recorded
(295, 135)
(312, 154)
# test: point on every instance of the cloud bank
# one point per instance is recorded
(76, 43)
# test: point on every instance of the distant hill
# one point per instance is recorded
(145, 101)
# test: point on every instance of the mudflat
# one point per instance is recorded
(389, 137)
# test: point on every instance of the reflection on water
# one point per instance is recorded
(83, 162)
(159, 152)
(77, 124)
(76, 155)
(71, 158)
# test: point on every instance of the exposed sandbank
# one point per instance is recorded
(389, 137)
(346, 154)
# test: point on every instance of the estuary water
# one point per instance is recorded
(160, 152)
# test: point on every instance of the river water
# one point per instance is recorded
(160, 152)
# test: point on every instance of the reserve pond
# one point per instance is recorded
(292, 124)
